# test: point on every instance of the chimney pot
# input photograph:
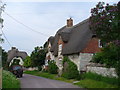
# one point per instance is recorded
(69, 22)
(13, 48)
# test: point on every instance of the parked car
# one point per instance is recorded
(17, 70)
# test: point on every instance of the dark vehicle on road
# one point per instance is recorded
(17, 70)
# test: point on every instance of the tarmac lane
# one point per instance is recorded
(31, 81)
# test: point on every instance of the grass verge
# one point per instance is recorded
(89, 83)
(9, 80)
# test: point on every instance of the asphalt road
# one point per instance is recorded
(30, 81)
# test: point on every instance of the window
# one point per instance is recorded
(60, 47)
(99, 43)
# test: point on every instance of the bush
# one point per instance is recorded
(70, 69)
(110, 57)
(9, 80)
(52, 67)
(97, 77)
(39, 68)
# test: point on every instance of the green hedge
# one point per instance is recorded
(94, 76)
(9, 80)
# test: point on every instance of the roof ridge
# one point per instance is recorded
(80, 23)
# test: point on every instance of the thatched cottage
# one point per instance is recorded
(15, 54)
(75, 41)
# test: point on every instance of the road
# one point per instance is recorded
(30, 81)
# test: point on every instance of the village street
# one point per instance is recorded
(30, 81)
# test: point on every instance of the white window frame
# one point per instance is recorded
(60, 47)
(99, 43)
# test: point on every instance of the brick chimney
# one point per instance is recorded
(69, 22)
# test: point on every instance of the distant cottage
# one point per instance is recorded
(15, 54)
(77, 42)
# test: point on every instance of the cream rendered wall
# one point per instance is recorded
(21, 61)
(81, 60)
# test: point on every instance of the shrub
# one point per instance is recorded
(69, 69)
(52, 68)
(110, 57)
(9, 80)
(97, 77)
(39, 68)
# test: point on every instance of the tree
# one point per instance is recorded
(4, 59)
(105, 21)
(2, 7)
(27, 62)
(38, 56)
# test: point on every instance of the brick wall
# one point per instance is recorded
(92, 46)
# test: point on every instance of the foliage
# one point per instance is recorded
(105, 21)
(110, 57)
(27, 62)
(4, 59)
(15, 62)
(52, 67)
(94, 76)
(9, 80)
(69, 69)
(38, 57)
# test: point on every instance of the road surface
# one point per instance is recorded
(30, 81)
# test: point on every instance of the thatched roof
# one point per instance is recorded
(15, 53)
(51, 39)
(75, 38)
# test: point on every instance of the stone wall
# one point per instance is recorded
(75, 59)
(31, 68)
(81, 60)
(110, 72)
(84, 60)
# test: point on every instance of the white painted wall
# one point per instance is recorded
(21, 61)
(75, 59)
(81, 60)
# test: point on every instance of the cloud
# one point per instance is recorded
(60, 0)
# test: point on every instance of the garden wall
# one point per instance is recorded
(99, 69)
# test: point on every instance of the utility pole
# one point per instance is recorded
(1, 40)
(0, 46)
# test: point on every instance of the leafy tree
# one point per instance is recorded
(38, 56)
(27, 62)
(105, 21)
(4, 59)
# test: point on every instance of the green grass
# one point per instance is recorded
(94, 76)
(48, 75)
(9, 80)
(89, 83)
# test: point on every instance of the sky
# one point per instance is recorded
(29, 23)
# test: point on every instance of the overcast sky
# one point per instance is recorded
(45, 18)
